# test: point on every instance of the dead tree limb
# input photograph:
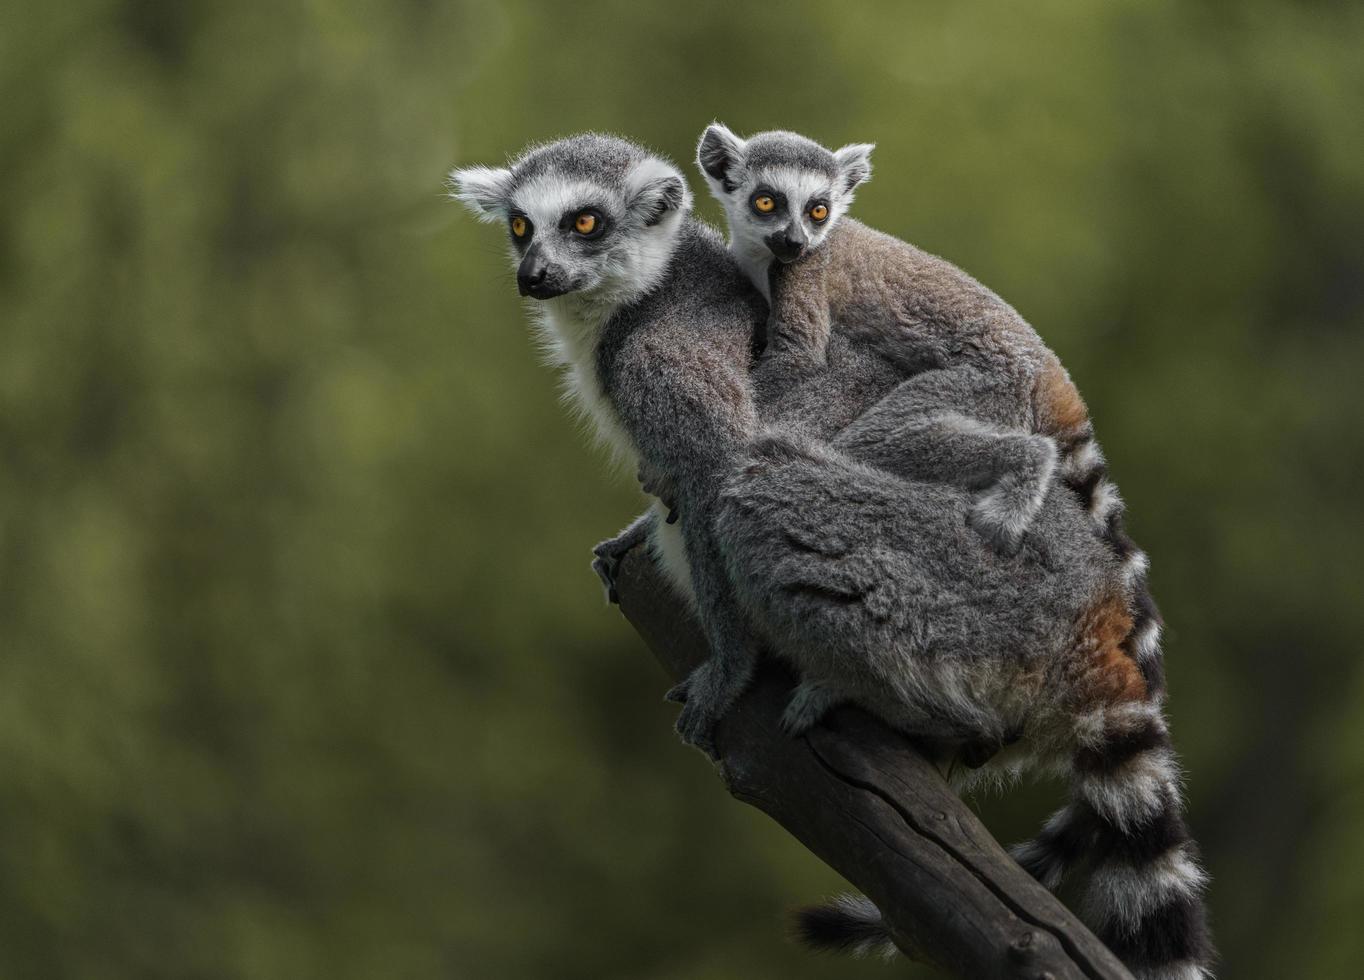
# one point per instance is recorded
(865, 801)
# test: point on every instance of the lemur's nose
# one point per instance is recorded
(530, 275)
(786, 248)
(539, 277)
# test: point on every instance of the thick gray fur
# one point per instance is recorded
(878, 591)
(965, 412)
(912, 413)
(807, 527)
(654, 325)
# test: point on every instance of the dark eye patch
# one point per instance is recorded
(569, 222)
(778, 200)
(817, 202)
(521, 228)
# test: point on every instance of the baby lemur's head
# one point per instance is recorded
(591, 214)
(782, 193)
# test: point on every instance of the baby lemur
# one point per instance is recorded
(898, 359)
(874, 584)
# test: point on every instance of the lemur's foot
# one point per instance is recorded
(705, 696)
(696, 727)
(809, 703)
(1003, 514)
(973, 755)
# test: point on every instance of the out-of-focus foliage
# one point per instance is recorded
(302, 671)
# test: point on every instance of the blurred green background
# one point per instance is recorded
(302, 669)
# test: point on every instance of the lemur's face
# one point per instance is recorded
(590, 214)
(781, 192)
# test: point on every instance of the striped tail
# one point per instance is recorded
(1125, 826)
(1084, 471)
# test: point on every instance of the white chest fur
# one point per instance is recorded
(569, 334)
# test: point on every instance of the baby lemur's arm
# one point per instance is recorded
(956, 423)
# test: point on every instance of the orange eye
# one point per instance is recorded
(519, 226)
(586, 223)
(764, 204)
(819, 212)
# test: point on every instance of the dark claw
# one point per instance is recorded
(677, 693)
(672, 516)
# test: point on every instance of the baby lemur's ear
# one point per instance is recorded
(854, 164)
(655, 189)
(720, 154)
(484, 190)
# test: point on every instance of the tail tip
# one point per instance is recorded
(849, 924)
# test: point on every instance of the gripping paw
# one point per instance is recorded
(975, 754)
(809, 703)
(1003, 514)
(1000, 522)
(695, 724)
(607, 556)
(696, 727)
(705, 696)
(606, 569)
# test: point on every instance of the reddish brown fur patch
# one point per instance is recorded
(1061, 412)
(1107, 674)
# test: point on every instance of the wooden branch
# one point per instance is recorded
(865, 801)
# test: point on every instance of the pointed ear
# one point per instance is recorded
(654, 190)
(719, 154)
(854, 164)
(483, 190)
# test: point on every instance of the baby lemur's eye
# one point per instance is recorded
(519, 226)
(819, 212)
(764, 204)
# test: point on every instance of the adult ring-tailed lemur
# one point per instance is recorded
(822, 515)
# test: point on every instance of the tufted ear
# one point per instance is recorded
(719, 154)
(484, 190)
(854, 164)
(655, 189)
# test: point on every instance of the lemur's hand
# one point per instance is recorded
(1003, 514)
(658, 485)
(606, 556)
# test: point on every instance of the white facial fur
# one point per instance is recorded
(734, 178)
(624, 264)
(629, 258)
